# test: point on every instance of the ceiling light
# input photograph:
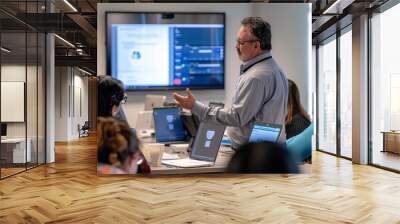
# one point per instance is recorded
(65, 41)
(331, 7)
(70, 5)
(5, 49)
(84, 71)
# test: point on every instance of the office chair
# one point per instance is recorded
(301, 144)
(84, 130)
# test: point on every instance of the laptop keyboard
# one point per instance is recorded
(187, 162)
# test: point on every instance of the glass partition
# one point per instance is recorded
(22, 76)
(346, 93)
(385, 89)
(14, 68)
(31, 98)
(327, 96)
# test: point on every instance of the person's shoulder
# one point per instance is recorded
(260, 72)
(253, 78)
(266, 69)
(300, 118)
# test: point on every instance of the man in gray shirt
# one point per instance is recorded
(261, 92)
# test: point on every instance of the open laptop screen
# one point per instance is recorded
(265, 132)
(168, 125)
(207, 141)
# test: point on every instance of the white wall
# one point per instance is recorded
(70, 84)
(17, 73)
(313, 93)
(33, 127)
(61, 105)
(14, 72)
(291, 43)
(81, 103)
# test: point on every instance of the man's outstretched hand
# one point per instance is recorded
(186, 102)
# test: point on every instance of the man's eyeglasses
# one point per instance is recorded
(242, 42)
(123, 101)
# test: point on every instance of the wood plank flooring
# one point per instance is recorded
(70, 191)
(387, 159)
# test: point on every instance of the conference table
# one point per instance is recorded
(224, 155)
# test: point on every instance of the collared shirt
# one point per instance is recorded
(261, 95)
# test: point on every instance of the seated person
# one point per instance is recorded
(262, 157)
(110, 96)
(114, 154)
(297, 119)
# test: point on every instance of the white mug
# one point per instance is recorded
(153, 153)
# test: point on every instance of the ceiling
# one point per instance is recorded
(76, 22)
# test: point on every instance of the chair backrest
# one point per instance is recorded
(301, 144)
(86, 125)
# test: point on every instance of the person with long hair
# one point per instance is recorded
(110, 96)
(115, 156)
(297, 119)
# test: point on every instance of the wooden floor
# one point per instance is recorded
(386, 159)
(69, 191)
(10, 171)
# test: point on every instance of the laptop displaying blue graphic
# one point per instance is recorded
(168, 125)
(207, 141)
(260, 132)
(265, 132)
(204, 149)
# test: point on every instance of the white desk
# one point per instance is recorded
(223, 158)
(19, 155)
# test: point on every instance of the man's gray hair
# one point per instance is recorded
(259, 29)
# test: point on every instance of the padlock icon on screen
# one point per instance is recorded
(210, 135)
(170, 119)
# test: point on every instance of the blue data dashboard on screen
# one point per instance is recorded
(264, 133)
(168, 125)
(148, 56)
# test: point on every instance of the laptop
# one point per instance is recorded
(265, 132)
(204, 149)
(260, 132)
(168, 125)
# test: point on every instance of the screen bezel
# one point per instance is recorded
(195, 142)
(268, 125)
(184, 139)
(158, 88)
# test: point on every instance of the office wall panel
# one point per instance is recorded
(71, 102)
(12, 100)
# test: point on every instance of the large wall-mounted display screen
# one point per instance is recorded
(164, 50)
